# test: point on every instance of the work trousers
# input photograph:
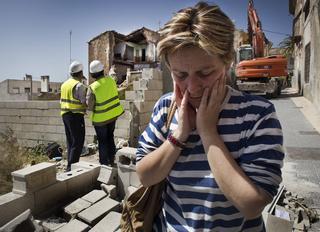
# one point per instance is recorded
(107, 147)
(75, 133)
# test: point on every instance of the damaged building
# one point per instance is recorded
(119, 52)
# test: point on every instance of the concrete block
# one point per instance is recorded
(124, 173)
(94, 196)
(94, 168)
(74, 226)
(151, 73)
(129, 152)
(78, 181)
(53, 224)
(144, 106)
(149, 95)
(94, 213)
(108, 175)
(76, 207)
(111, 190)
(147, 84)
(122, 133)
(32, 178)
(126, 116)
(111, 221)
(134, 179)
(12, 204)
(21, 221)
(50, 197)
(130, 95)
(125, 104)
(122, 123)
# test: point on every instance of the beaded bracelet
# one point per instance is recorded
(174, 141)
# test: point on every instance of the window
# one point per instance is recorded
(143, 57)
(307, 63)
(306, 9)
(27, 90)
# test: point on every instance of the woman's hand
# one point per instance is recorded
(187, 115)
(209, 109)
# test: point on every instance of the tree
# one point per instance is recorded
(287, 46)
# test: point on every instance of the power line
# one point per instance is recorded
(275, 32)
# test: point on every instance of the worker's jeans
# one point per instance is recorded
(75, 133)
(107, 147)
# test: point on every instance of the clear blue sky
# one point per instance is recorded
(35, 34)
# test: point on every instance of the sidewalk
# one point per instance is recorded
(301, 128)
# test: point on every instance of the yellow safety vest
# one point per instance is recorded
(107, 102)
(67, 102)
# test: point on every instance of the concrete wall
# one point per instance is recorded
(35, 122)
(309, 30)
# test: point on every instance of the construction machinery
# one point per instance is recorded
(254, 71)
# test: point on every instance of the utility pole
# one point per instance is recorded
(70, 47)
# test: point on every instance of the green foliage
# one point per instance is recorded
(14, 157)
(287, 46)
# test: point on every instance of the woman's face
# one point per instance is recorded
(193, 70)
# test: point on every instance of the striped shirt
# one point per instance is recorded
(193, 201)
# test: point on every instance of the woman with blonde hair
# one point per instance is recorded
(222, 153)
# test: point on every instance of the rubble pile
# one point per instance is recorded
(302, 215)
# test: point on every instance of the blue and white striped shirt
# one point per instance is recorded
(193, 201)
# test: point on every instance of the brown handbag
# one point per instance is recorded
(143, 205)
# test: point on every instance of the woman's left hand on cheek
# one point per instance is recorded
(209, 109)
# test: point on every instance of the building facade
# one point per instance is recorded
(306, 33)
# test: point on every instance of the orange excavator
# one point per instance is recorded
(254, 71)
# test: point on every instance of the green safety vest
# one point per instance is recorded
(107, 102)
(67, 102)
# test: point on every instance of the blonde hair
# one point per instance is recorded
(204, 26)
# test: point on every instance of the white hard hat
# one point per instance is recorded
(75, 67)
(96, 66)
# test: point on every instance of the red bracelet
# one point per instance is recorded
(174, 141)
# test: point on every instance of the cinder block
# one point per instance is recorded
(94, 168)
(76, 207)
(127, 115)
(147, 84)
(78, 182)
(129, 152)
(111, 221)
(122, 124)
(125, 104)
(124, 173)
(12, 204)
(151, 73)
(144, 106)
(108, 175)
(95, 196)
(111, 190)
(50, 197)
(94, 213)
(74, 226)
(32, 178)
(122, 133)
(21, 218)
(130, 95)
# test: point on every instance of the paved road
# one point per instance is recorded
(301, 171)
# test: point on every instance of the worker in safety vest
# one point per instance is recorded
(104, 102)
(73, 108)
